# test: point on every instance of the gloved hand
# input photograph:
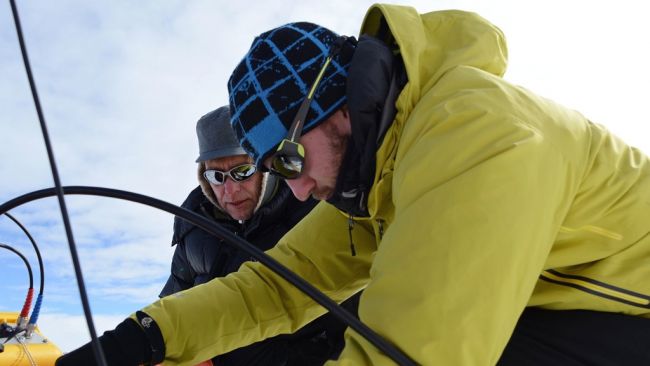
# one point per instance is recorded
(127, 345)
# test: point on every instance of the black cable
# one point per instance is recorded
(33, 319)
(24, 312)
(213, 228)
(38, 252)
(29, 268)
(99, 354)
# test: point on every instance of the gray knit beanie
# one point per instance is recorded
(216, 137)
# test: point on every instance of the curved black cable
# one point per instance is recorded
(29, 268)
(24, 312)
(97, 350)
(213, 228)
(38, 252)
(39, 298)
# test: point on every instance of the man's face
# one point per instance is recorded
(324, 149)
(238, 199)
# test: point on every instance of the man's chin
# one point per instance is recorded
(240, 213)
(322, 195)
(240, 216)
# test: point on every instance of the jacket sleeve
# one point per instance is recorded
(254, 303)
(479, 195)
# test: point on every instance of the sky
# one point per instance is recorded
(123, 83)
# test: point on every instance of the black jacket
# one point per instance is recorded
(200, 257)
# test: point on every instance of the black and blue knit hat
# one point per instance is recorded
(269, 84)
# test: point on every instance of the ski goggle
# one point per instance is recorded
(238, 174)
(288, 160)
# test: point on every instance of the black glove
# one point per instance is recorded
(127, 345)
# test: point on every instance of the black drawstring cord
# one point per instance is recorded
(350, 227)
(97, 350)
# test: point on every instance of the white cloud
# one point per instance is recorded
(70, 331)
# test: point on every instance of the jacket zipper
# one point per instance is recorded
(350, 227)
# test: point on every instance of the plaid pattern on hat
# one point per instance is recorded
(269, 84)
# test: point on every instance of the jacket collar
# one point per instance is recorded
(374, 82)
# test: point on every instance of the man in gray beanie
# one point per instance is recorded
(260, 208)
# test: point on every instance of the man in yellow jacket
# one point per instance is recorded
(486, 225)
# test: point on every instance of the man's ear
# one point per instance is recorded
(344, 124)
(345, 111)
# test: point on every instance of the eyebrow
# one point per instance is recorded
(223, 167)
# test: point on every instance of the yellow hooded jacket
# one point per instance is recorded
(487, 199)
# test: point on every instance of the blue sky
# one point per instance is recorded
(122, 85)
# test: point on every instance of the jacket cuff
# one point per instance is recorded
(154, 336)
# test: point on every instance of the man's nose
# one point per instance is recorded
(230, 186)
(301, 187)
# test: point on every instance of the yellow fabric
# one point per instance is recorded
(481, 187)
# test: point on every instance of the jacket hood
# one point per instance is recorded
(430, 46)
(433, 43)
(269, 187)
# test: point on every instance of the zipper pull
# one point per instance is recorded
(350, 227)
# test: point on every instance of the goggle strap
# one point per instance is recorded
(310, 95)
(296, 125)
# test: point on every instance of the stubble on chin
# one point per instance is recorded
(323, 194)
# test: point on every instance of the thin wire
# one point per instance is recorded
(99, 354)
(26, 350)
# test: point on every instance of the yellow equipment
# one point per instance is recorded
(19, 350)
